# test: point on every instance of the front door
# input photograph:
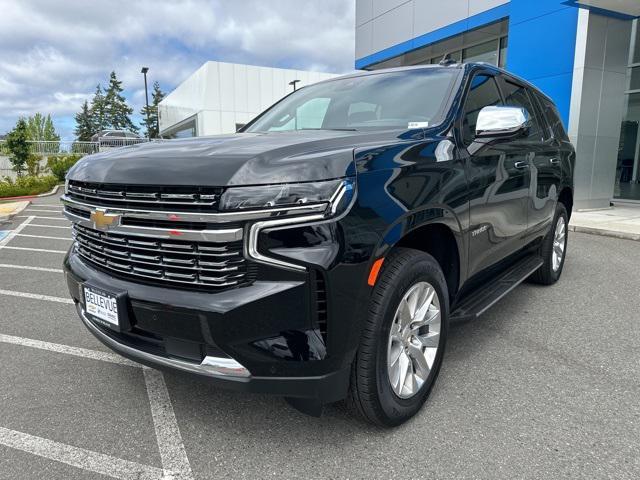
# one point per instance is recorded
(498, 173)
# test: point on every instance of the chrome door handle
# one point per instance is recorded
(554, 161)
(521, 164)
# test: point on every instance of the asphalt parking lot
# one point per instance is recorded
(544, 386)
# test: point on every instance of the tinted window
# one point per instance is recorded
(553, 117)
(483, 92)
(378, 101)
(517, 96)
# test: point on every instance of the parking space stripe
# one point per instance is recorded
(40, 216)
(48, 226)
(39, 210)
(15, 231)
(172, 453)
(28, 249)
(26, 267)
(36, 296)
(79, 457)
(68, 350)
(46, 237)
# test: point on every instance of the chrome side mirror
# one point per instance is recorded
(495, 122)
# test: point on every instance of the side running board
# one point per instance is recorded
(485, 298)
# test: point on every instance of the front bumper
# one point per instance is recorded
(218, 336)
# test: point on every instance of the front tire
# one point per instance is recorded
(553, 249)
(403, 340)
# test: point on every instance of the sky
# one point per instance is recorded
(53, 53)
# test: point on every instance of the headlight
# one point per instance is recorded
(282, 195)
(324, 200)
(66, 185)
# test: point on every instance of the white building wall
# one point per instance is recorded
(382, 24)
(219, 95)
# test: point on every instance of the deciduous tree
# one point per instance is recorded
(17, 142)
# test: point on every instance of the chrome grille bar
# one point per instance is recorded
(198, 198)
(183, 263)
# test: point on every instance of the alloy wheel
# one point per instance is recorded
(559, 243)
(413, 339)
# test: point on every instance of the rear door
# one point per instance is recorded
(546, 171)
(499, 182)
(543, 151)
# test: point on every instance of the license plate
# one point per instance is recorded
(102, 306)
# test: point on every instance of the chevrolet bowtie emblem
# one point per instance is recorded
(103, 220)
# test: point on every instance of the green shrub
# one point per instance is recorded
(60, 164)
(27, 185)
(33, 165)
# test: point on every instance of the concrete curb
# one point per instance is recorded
(605, 233)
(9, 216)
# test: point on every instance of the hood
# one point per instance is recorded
(228, 160)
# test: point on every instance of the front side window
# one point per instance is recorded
(369, 102)
(483, 92)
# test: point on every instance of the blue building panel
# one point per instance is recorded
(542, 43)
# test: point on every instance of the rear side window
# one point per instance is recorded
(483, 92)
(553, 117)
(517, 96)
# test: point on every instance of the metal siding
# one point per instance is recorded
(392, 27)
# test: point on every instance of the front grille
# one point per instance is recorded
(183, 264)
(143, 197)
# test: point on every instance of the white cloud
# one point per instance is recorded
(53, 53)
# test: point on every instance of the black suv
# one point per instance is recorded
(321, 252)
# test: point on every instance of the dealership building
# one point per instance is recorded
(585, 54)
(221, 97)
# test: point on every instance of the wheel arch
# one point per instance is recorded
(566, 198)
(439, 241)
(436, 231)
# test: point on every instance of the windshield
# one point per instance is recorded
(379, 101)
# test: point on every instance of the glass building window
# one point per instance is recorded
(485, 44)
(635, 79)
(485, 52)
(636, 44)
(504, 44)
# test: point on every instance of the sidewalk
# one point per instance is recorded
(620, 221)
(10, 209)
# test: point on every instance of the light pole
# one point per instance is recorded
(146, 96)
(293, 84)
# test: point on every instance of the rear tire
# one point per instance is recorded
(404, 325)
(553, 249)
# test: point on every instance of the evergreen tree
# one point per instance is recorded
(50, 133)
(150, 123)
(97, 112)
(116, 109)
(18, 146)
(84, 124)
